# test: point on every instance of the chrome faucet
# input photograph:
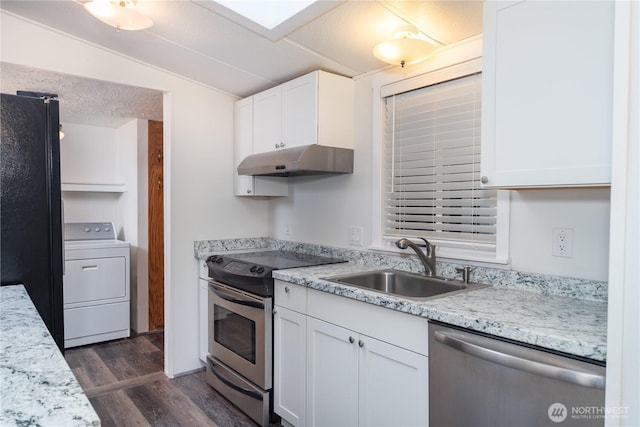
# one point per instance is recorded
(428, 260)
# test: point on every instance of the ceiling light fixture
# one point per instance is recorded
(121, 14)
(406, 47)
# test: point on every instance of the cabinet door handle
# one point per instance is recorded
(352, 340)
(286, 289)
(360, 343)
(484, 179)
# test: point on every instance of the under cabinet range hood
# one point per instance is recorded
(298, 161)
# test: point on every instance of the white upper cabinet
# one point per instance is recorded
(547, 93)
(316, 108)
(243, 146)
(300, 111)
(267, 120)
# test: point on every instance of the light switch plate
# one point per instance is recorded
(355, 235)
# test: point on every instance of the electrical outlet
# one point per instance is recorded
(562, 241)
(355, 236)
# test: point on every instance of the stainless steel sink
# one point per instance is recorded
(405, 284)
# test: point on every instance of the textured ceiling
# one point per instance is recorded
(85, 101)
(205, 42)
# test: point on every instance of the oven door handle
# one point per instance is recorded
(231, 384)
(224, 296)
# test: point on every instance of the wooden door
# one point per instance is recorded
(156, 227)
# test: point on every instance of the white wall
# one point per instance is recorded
(198, 134)
(321, 209)
(623, 337)
(127, 173)
(88, 155)
(535, 212)
(140, 293)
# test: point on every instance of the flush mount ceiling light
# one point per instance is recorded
(121, 14)
(405, 48)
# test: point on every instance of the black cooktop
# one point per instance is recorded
(251, 271)
(277, 260)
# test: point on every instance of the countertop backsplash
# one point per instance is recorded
(543, 284)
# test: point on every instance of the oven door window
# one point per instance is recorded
(235, 332)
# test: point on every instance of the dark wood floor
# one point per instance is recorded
(125, 382)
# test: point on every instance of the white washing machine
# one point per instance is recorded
(96, 284)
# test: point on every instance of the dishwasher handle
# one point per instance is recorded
(581, 378)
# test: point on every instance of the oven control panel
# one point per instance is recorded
(236, 267)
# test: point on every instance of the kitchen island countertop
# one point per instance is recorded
(37, 386)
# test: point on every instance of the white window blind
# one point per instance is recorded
(432, 167)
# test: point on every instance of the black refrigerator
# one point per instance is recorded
(31, 215)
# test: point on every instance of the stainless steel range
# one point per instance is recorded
(240, 360)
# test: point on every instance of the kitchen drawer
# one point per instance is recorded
(394, 327)
(293, 297)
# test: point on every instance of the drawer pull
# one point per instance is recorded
(89, 267)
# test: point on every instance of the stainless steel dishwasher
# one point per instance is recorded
(475, 380)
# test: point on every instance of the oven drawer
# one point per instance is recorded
(95, 279)
(293, 297)
(253, 401)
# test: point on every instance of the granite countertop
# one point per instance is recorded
(37, 386)
(569, 325)
(562, 314)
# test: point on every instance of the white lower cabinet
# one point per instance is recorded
(332, 375)
(353, 379)
(203, 310)
(333, 372)
(393, 385)
(289, 364)
(203, 320)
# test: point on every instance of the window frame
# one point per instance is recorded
(457, 62)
